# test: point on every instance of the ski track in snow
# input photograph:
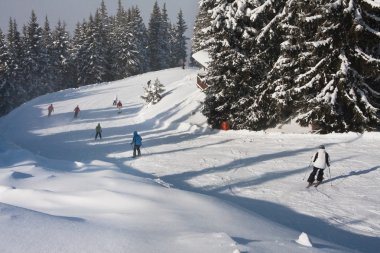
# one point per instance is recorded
(260, 171)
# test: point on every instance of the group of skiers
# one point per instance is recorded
(136, 140)
(51, 109)
(320, 159)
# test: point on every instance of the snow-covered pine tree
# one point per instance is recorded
(202, 29)
(317, 61)
(47, 68)
(92, 66)
(165, 29)
(78, 52)
(64, 77)
(139, 40)
(328, 72)
(155, 39)
(4, 77)
(153, 92)
(202, 36)
(240, 58)
(104, 29)
(33, 61)
(16, 90)
(179, 45)
(123, 51)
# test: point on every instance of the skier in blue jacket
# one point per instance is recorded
(137, 142)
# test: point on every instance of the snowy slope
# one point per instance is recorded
(193, 190)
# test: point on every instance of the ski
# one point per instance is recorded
(313, 184)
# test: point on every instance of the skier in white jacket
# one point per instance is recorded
(320, 160)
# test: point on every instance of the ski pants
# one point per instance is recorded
(98, 134)
(311, 178)
(136, 147)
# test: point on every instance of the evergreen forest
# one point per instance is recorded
(37, 59)
(314, 62)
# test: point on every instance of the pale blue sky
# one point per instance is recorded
(72, 11)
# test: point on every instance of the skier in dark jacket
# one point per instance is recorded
(137, 142)
(320, 160)
(98, 130)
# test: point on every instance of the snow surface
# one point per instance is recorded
(194, 189)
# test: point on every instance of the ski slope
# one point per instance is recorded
(194, 189)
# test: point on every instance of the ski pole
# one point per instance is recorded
(330, 176)
(308, 167)
(146, 149)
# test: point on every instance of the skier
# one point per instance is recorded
(115, 100)
(50, 109)
(119, 105)
(76, 111)
(137, 142)
(98, 130)
(320, 160)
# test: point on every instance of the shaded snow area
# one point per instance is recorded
(194, 189)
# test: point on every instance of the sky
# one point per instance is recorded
(73, 11)
(193, 189)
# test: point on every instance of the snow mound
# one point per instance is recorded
(304, 240)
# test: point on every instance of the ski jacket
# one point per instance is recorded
(137, 140)
(76, 109)
(119, 104)
(98, 129)
(321, 159)
(51, 108)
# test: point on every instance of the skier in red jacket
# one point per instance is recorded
(76, 111)
(50, 109)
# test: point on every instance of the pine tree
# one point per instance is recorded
(15, 90)
(155, 39)
(140, 40)
(79, 55)
(90, 53)
(47, 68)
(5, 85)
(179, 47)
(104, 32)
(328, 70)
(315, 61)
(121, 44)
(201, 33)
(97, 68)
(202, 29)
(164, 38)
(63, 77)
(33, 59)
(237, 65)
(153, 92)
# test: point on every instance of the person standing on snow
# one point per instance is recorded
(137, 142)
(115, 100)
(119, 105)
(50, 109)
(320, 160)
(98, 130)
(76, 111)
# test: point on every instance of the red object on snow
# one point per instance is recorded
(224, 125)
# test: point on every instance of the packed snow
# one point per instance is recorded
(194, 189)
